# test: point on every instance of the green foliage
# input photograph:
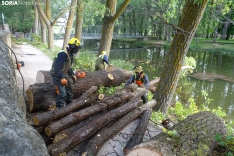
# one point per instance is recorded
(109, 90)
(122, 64)
(85, 61)
(36, 39)
(227, 142)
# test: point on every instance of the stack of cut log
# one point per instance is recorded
(77, 124)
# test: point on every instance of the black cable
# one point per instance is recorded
(16, 62)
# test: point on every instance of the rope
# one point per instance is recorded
(16, 62)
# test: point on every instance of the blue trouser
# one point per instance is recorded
(65, 93)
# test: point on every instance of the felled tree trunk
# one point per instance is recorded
(16, 136)
(75, 138)
(43, 77)
(74, 118)
(105, 134)
(66, 132)
(87, 98)
(127, 74)
(195, 136)
(139, 132)
(43, 95)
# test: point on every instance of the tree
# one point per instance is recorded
(47, 19)
(79, 19)
(69, 23)
(108, 23)
(192, 14)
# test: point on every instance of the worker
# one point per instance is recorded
(140, 79)
(102, 61)
(61, 71)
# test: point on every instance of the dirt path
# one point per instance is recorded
(34, 60)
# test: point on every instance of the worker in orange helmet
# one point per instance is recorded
(140, 79)
(61, 71)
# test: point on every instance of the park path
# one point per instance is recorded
(34, 60)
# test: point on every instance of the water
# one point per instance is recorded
(221, 92)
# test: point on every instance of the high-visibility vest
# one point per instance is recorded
(66, 65)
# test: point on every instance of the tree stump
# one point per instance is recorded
(194, 136)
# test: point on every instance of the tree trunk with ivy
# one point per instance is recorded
(193, 136)
(192, 14)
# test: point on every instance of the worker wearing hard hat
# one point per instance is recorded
(61, 70)
(102, 61)
(140, 79)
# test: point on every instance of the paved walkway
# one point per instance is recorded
(34, 60)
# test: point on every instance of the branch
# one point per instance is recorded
(120, 10)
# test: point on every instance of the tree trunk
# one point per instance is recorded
(69, 23)
(36, 21)
(17, 137)
(108, 23)
(192, 14)
(67, 132)
(106, 133)
(74, 118)
(79, 19)
(139, 132)
(68, 143)
(43, 77)
(38, 100)
(47, 117)
(194, 136)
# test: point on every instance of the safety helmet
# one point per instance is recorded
(138, 69)
(103, 52)
(74, 41)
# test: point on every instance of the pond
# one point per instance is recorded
(152, 58)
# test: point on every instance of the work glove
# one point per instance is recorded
(63, 81)
(74, 78)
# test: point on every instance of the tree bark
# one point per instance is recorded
(69, 23)
(106, 133)
(47, 117)
(67, 132)
(43, 77)
(192, 14)
(74, 118)
(139, 132)
(68, 143)
(17, 137)
(39, 100)
(195, 136)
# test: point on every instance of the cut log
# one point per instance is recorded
(87, 98)
(152, 83)
(76, 117)
(43, 77)
(139, 132)
(43, 95)
(106, 133)
(66, 132)
(195, 134)
(75, 138)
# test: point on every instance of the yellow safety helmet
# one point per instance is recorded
(138, 69)
(103, 52)
(74, 41)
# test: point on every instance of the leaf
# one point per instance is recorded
(218, 137)
(229, 137)
(222, 143)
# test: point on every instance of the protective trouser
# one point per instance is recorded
(65, 95)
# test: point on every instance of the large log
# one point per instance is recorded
(43, 76)
(16, 136)
(87, 98)
(68, 143)
(195, 136)
(139, 132)
(43, 95)
(75, 117)
(106, 133)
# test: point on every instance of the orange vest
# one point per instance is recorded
(140, 81)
